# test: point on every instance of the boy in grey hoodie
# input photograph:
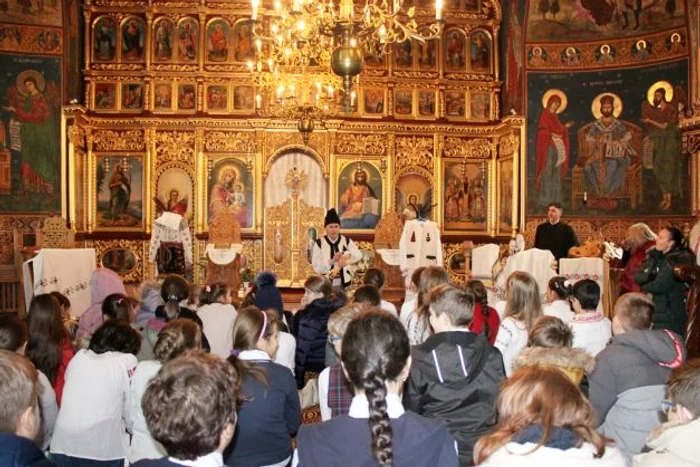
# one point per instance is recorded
(628, 383)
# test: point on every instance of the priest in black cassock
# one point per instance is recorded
(554, 235)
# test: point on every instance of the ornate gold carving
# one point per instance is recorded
(224, 228)
(175, 146)
(253, 251)
(508, 145)
(365, 145)
(227, 141)
(388, 231)
(76, 135)
(449, 251)
(478, 148)
(114, 140)
(136, 247)
(55, 234)
(414, 151)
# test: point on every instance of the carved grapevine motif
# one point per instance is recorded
(110, 140)
(479, 148)
(175, 146)
(369, 145)
(414, 151)
(226, 141)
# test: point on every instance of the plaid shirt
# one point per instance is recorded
(339, 392)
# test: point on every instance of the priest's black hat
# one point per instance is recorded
(331, 217)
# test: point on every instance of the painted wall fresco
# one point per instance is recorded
(578, 20)
(607, 142)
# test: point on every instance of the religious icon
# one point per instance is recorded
(412, 189)
(480, 51)
(163, 38)
(505, 209)
(374, 101)
(571, 56)
(104, 39)
(231, 190)
(186, 97)
(243, 45)
(605, 54)
(537, 56)
(403, 54)
(105, 96)
(187, 33)
(455, 104)
(675, 43)
(374, 58)
(455, 48)
(119, 260)
(119, 192)
(427, 54)
(481, 105)
(132, 96)
(403, 103)
(217, 97)
(641, 49)
(162, 97)
(552, 148)
(426, 103)
(244, 98)
(465, 197)
(174, 192)
(217, 40)
(359, 196)
(132, 39)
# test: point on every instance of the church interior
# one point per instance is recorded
(249, 121)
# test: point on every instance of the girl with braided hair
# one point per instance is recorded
(377, 431)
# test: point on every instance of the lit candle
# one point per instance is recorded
(296, 5)
(258, 44)
(254, 4)
(330, 91)
(438, 9)
(258, 101)
(346, 9)
(352, 99)
(585, 196)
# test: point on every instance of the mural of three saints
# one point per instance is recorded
(623, 158)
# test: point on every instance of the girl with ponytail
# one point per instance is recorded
(377, 431)
(558, 293)
(486, 320)
(270, 412)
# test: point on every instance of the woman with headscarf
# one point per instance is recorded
(104, 282)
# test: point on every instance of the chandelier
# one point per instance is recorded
(315, 34)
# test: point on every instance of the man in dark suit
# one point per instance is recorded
(554, 235)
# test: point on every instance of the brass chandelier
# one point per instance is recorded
(308, 36)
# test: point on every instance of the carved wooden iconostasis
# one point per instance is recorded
(178, 118)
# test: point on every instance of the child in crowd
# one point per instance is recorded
(310, 326)
(456, 373)
(116, 307)
(334, 389)
(103, 283)
(368, 296)
(177, 337)
(418, 325)
(411, 301)
(49, 346)
(96, 405)
(558, 292)
(377, 429)
(193, 302)
(486, 320)
(375, 277)
(196, 433)
(523, 307)
(591, 329)
(267, 295)
(217, 315)
(550, 343)
(13, 337)
(544, 420)
(173, 291)
(270, 413)
(20, 414)
(70, 324)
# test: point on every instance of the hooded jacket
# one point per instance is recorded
(627, 385)
(455, 377)
(17, 451)
(672, 445)
(575, 363)
(656, 277)
(345, 441)
(310, 327)
(104, 282)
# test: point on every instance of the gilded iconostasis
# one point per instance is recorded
(113, 112)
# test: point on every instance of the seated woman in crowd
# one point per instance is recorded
(523, 307)
(544, 420)
(377, 430)
(486, 320)
(558, 293)
(96, 411)
(217, 315)
(270, 412)
(49, 346)
(418, 325)
(178, 336)
(310, 326)
(104, 282)
(656, 277)
(640, 238)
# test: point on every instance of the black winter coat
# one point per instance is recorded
(455, 377)
(310, 327)
(656, 277)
